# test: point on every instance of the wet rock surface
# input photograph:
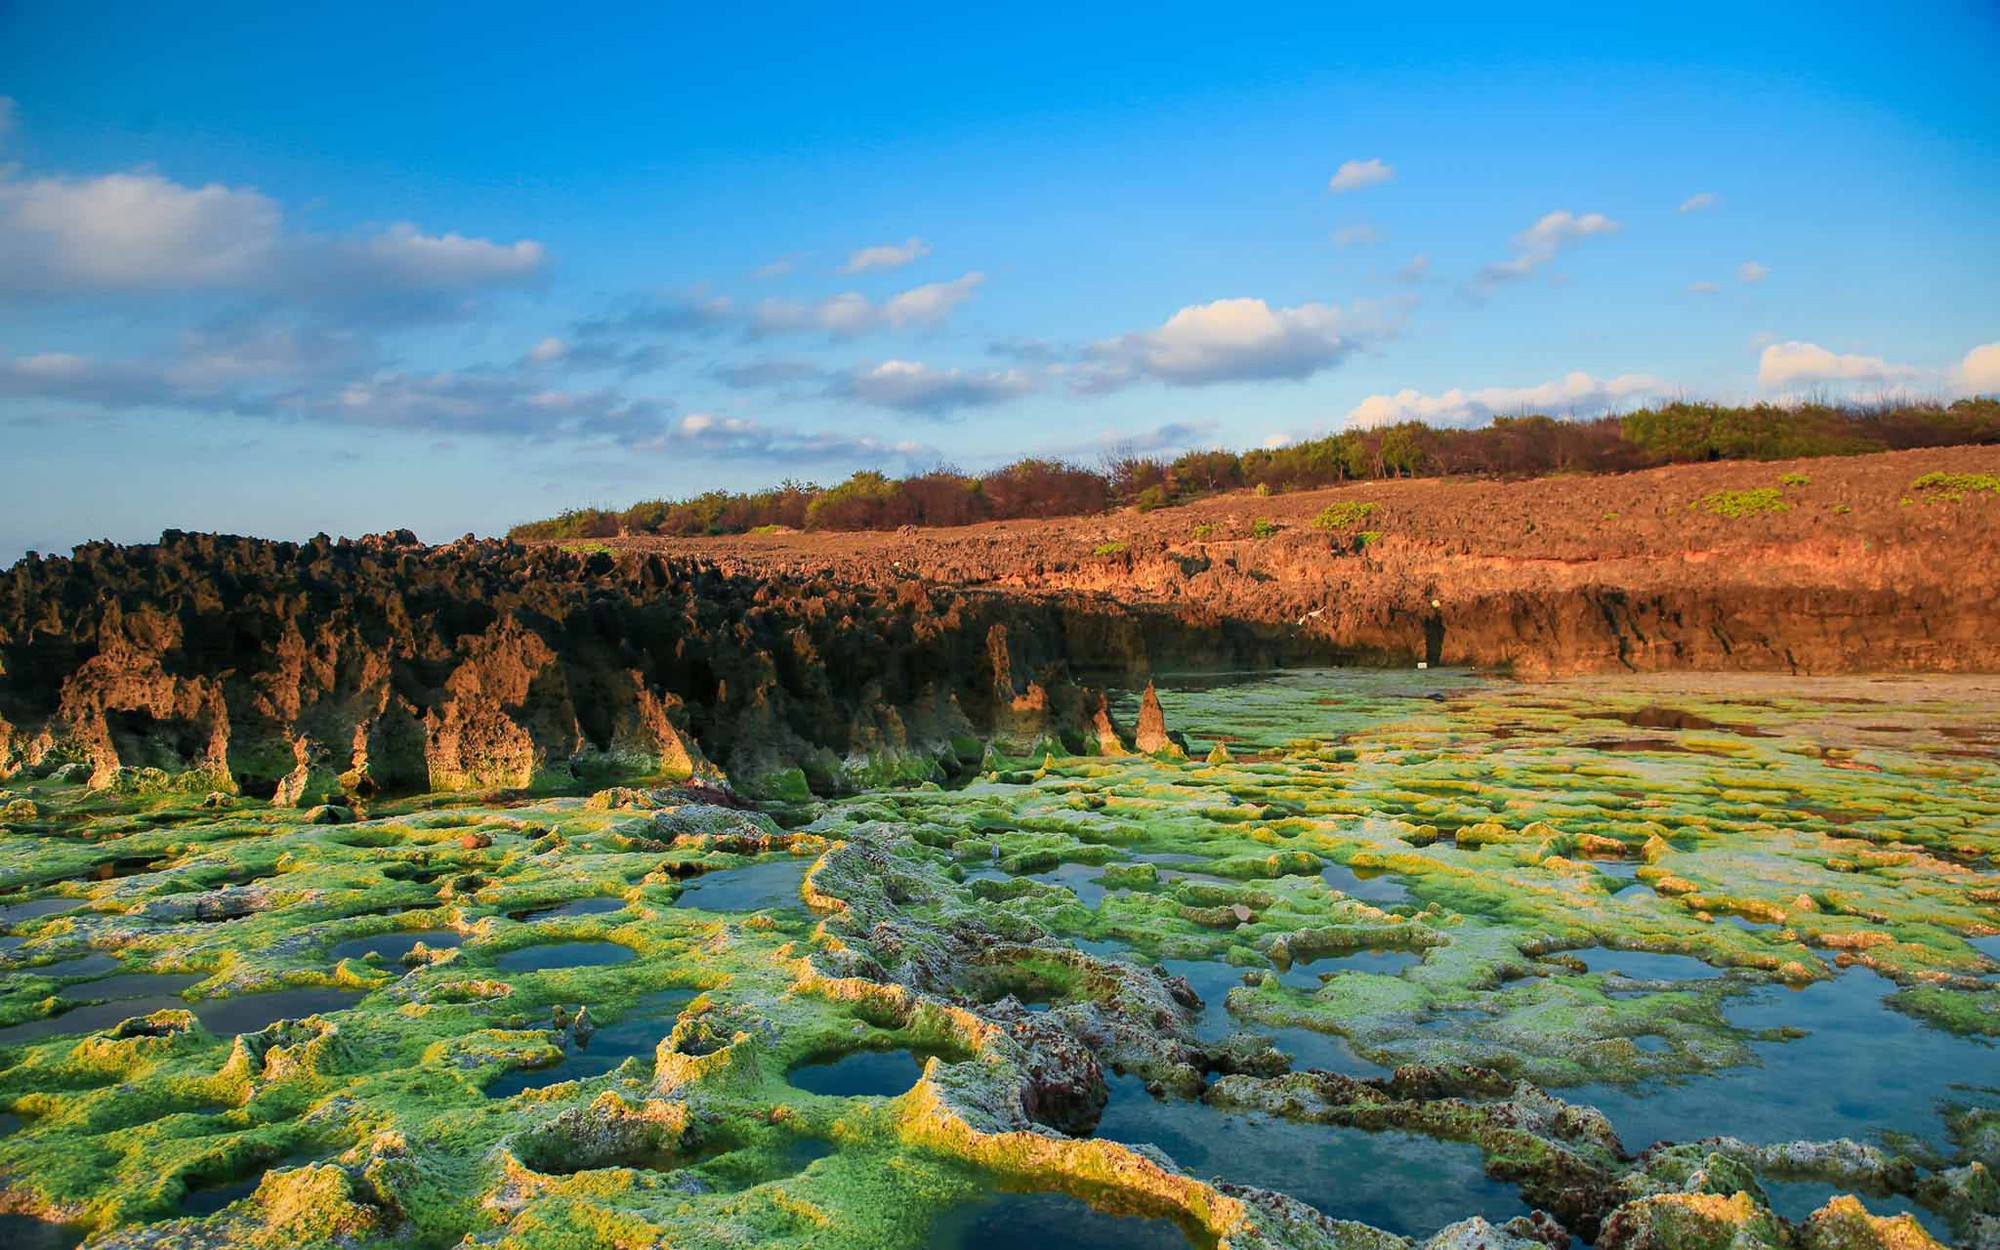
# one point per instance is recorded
(1125, 996)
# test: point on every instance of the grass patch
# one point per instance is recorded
(1264, 527)
(1736, 504)
(1956, 486)
(1341, 515)
(1109, 549)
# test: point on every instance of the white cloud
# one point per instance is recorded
(1578, 392)
(1358, 235)
(1751, 271)
(885, 256)
(140, 232)
(1539, 244)
(851, 313)
(909, 386)
(1979, 372)
(132, 232)
(1794, 363)
(1354, 175)
(1698, 203)
(548, 351)
(1417, 270)
(776, 269)
(1230, 340)
(1703, 288)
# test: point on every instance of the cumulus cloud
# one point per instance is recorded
(850, 313)
(1540, 243)
(1793, 363)
(1751, 271)
(909, 386)
(1979, 372)
(1417, 270)
(885, 256)
(1698, 203)
(711, 436)
(1358, 235)
(1578, 392)
(1703, 288)
(134, 232)
(1228, 340)
(1354, 175)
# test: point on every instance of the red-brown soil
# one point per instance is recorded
(1560, 574)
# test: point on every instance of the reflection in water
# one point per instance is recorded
(1409, 1185)
(1863, 1069)
(548, 955)
(391, 947)
(634, 1035)
(1004, 1221)
(862, 1074)
(755, 887)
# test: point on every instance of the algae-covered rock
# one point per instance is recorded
(1693, 1221)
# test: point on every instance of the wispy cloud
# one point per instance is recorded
(1542, 242)
(1751, 271)
(850, 313)
(1418, 268)
(885, 256)
(923, 390)
(1700, 202)
(1358, 235)
(1576, 392)
(1354, 175)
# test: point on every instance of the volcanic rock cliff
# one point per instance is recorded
(297, 672)
(1827, 565)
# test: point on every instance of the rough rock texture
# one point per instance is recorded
(301, 673)
(1858, 572)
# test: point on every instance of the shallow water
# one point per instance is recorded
(862, 1074)
(1381, 963)
(754, 887)
(1381, 889)
(569, 910)
(1645, 965)
(635, 1034)
(392, 946)
(1048, 1221)
(547, 955)
(1795, 1200)
(35, 909)
(1863, 1068)
(1406, 1184)
(25, 1232)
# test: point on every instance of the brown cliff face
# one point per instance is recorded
(1557, 575)
(298, 672)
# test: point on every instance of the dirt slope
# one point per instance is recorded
(1564, 574)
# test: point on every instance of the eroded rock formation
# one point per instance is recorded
(303, 672)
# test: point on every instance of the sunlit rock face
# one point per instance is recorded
(1413, 959)
(306, 674)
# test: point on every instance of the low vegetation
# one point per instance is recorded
(1524, 446)
(1741, 503)
(1955, 486)
(1341, 515)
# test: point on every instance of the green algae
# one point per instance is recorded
(1798, 840)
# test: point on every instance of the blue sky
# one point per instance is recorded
(368, 267)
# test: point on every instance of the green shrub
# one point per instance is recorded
(1109, 549)
(1735, 504)
(1367, 538)
(1795, 479)
(1204, 531)
(1264, 527)
(1956, 486)
(1341, 515)
(1152, 497)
